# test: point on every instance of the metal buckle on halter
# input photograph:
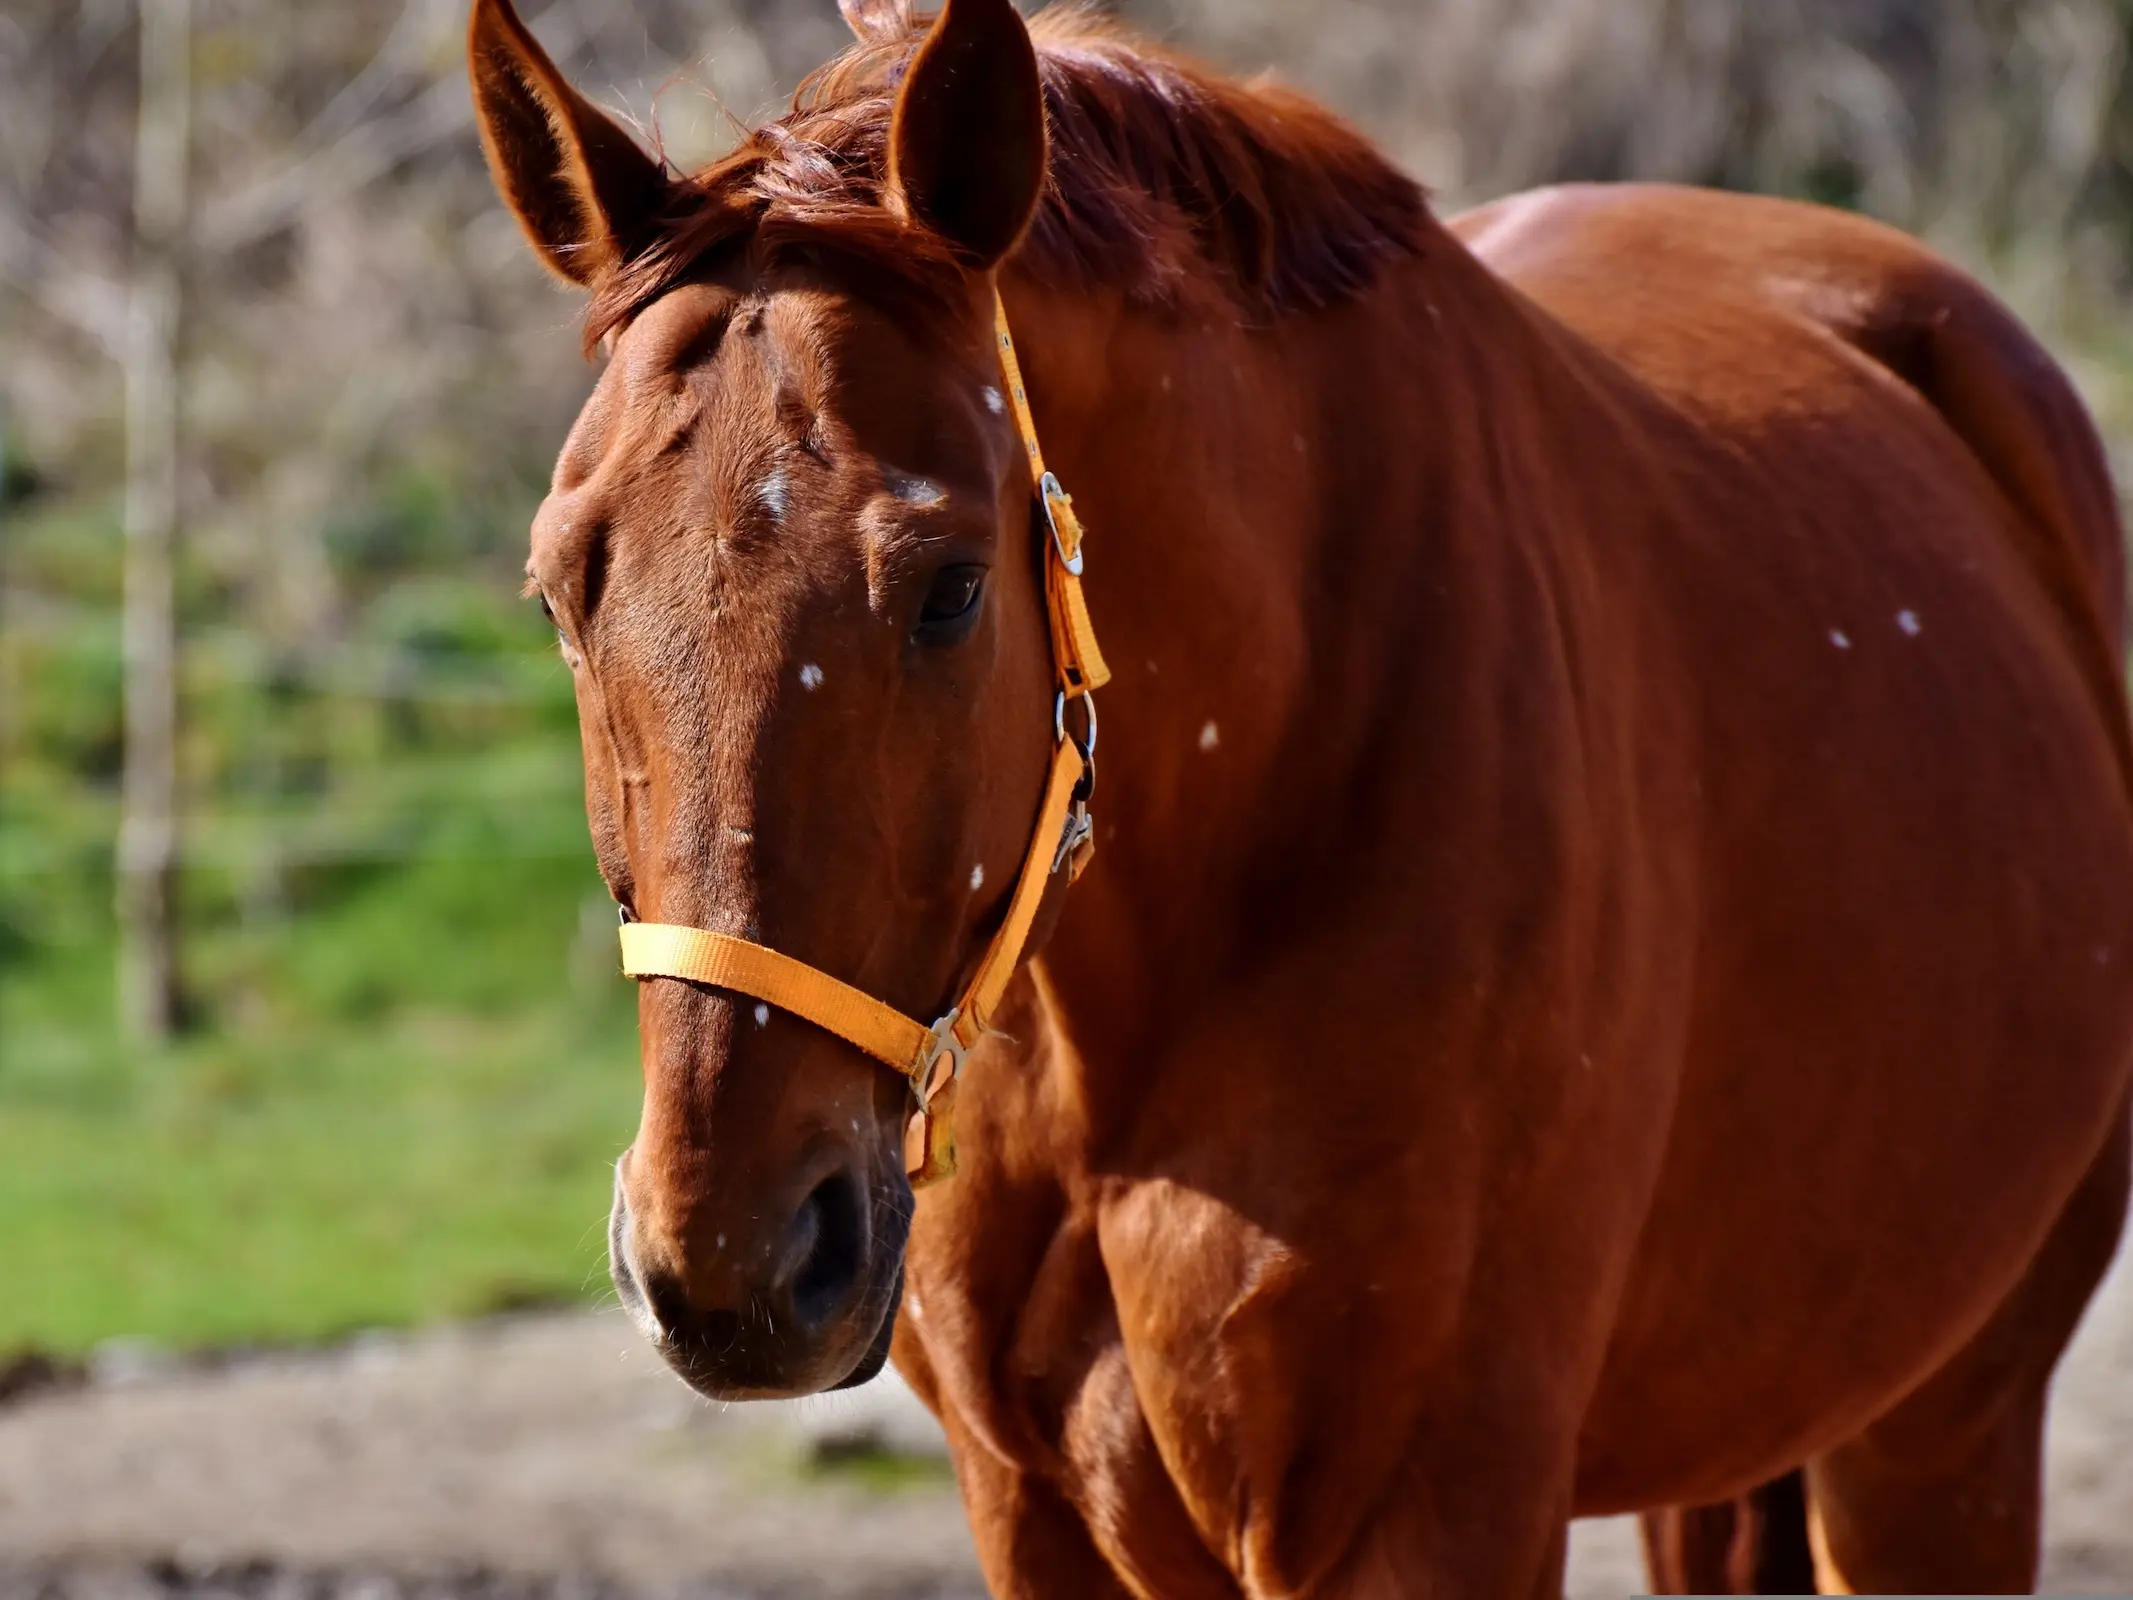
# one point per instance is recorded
(1047, 487)
(941, 1041)
(1079, 827)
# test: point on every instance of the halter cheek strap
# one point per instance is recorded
(1061, 839)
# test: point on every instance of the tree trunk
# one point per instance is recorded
(148, 826)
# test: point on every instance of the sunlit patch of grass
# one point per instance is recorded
(410, 1062)
(402, 1102)
(864, 1463)
(320, 1180)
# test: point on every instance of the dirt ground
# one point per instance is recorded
(552, 1458)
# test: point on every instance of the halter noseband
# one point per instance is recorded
(932, 1058)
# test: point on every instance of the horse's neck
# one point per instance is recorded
(1284, 566)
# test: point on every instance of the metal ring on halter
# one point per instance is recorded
(1086, 747)
(1088, 706)
(1048, 486)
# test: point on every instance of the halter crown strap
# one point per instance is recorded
(932, 1058)
(1080, 664)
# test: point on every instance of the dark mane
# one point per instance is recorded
(1164, 177)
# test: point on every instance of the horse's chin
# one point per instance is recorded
(718, 1381)
(877, 1353)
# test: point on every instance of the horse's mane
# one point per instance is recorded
(1164, 177)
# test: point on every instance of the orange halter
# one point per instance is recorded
(932, 1058)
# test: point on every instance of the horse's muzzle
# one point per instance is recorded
(808, 1305)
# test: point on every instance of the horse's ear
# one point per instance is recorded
(584, 190)
(966, 151)
(877, 21)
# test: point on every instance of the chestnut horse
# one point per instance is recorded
(1606, 979)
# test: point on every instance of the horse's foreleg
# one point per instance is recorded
(1754, 1545)
(1473, 1511)
(1031, 1542)
(1398, 1559)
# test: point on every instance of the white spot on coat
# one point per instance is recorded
(762, 1016)
(1210, 736)
(1837, 638)
(977, 876)
(1908, 621)
(995, 402)
(914, 491)
(774, 494)
(810, 677)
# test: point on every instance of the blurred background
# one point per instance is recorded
(308, 1015)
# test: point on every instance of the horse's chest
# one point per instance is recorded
(1052, 1378)
(1145, 1363)
(1015, 1332)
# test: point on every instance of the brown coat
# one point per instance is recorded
(1608, 973)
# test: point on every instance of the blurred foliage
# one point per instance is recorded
(409, 1060)
(2000, 130)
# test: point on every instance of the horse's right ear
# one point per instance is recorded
(582, 188)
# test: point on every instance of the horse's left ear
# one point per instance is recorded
(877, 21)
(583, 189)
(966, 151)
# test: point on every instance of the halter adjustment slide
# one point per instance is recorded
(1049, 491)
(941, 1044)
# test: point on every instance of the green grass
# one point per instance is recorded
(298, 1194)
(410, 1062)
(877, 1469)
(298, 1171)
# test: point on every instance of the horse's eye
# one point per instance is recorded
(561, 639)
(951, 601)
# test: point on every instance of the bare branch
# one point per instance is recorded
(85, 300)
(365, 153)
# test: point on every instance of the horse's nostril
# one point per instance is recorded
(668, 1302)
(829, 1242)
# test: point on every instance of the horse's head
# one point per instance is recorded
(790, 558)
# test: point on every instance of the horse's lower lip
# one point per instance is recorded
(877, 1354)
(714, 1379)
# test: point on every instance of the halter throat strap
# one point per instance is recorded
(1060, 840)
